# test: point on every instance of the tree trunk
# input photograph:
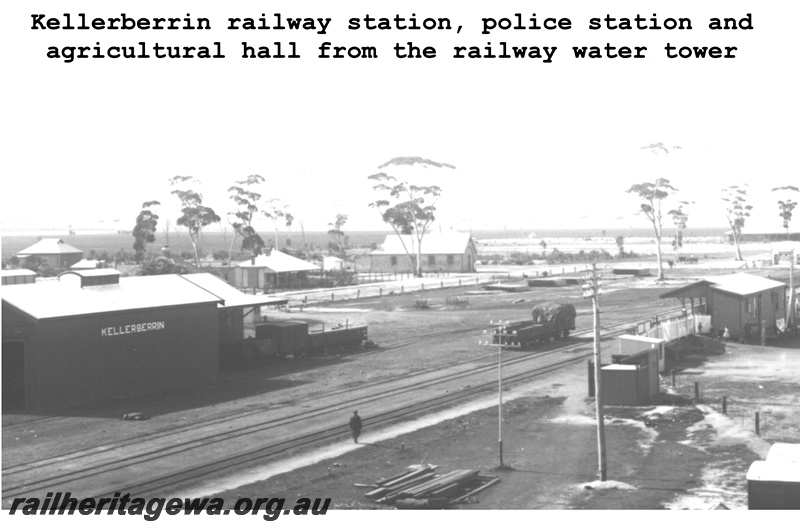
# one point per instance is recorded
(194, 247)
(658, 256)
(657, 233)
(738, 250)
(230, 250)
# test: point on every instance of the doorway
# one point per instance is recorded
(13, 375)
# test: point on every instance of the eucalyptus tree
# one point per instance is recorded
(652, 196)
(144, 231)
(194, 214)
(408, 208)
(737, 210)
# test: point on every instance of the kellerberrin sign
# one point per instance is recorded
(132, 329)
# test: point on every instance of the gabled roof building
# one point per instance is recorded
(93, 336)
(747, 305)
(273, 270)
(452, 252)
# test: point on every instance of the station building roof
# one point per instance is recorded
(741, 284)
(744, 284)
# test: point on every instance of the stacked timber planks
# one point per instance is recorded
(423, 488)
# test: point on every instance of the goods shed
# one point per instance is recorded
(744, 304)
(92, 337)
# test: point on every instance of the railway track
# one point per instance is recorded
(419, 339)
(385, 347)
(116, 460)
(83, 466)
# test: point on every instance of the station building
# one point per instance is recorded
(91, 336)
(742, 303)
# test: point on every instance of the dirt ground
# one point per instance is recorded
(689, 457)
(693, 457)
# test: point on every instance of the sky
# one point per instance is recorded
(534, 144)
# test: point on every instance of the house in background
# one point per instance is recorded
(273, 270)
(741, 302)
(54, 252)
(452, 252)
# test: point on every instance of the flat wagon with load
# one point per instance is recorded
(550, 321)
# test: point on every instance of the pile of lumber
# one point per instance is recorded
(423, 488)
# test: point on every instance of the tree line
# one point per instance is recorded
(654, 195)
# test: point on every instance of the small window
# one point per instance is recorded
(431, 259)
(451, 259)
(393, 260)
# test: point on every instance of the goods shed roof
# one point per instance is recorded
(49, 246)
(47, 300)
(228, 296)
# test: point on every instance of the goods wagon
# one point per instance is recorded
(341, 338)
(285, 338)
(550, 321)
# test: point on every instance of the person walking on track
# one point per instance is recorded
(355, 426)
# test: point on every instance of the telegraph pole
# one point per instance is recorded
(502, 338)
(591, 290)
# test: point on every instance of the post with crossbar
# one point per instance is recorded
(591, 290)
(501, 337)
